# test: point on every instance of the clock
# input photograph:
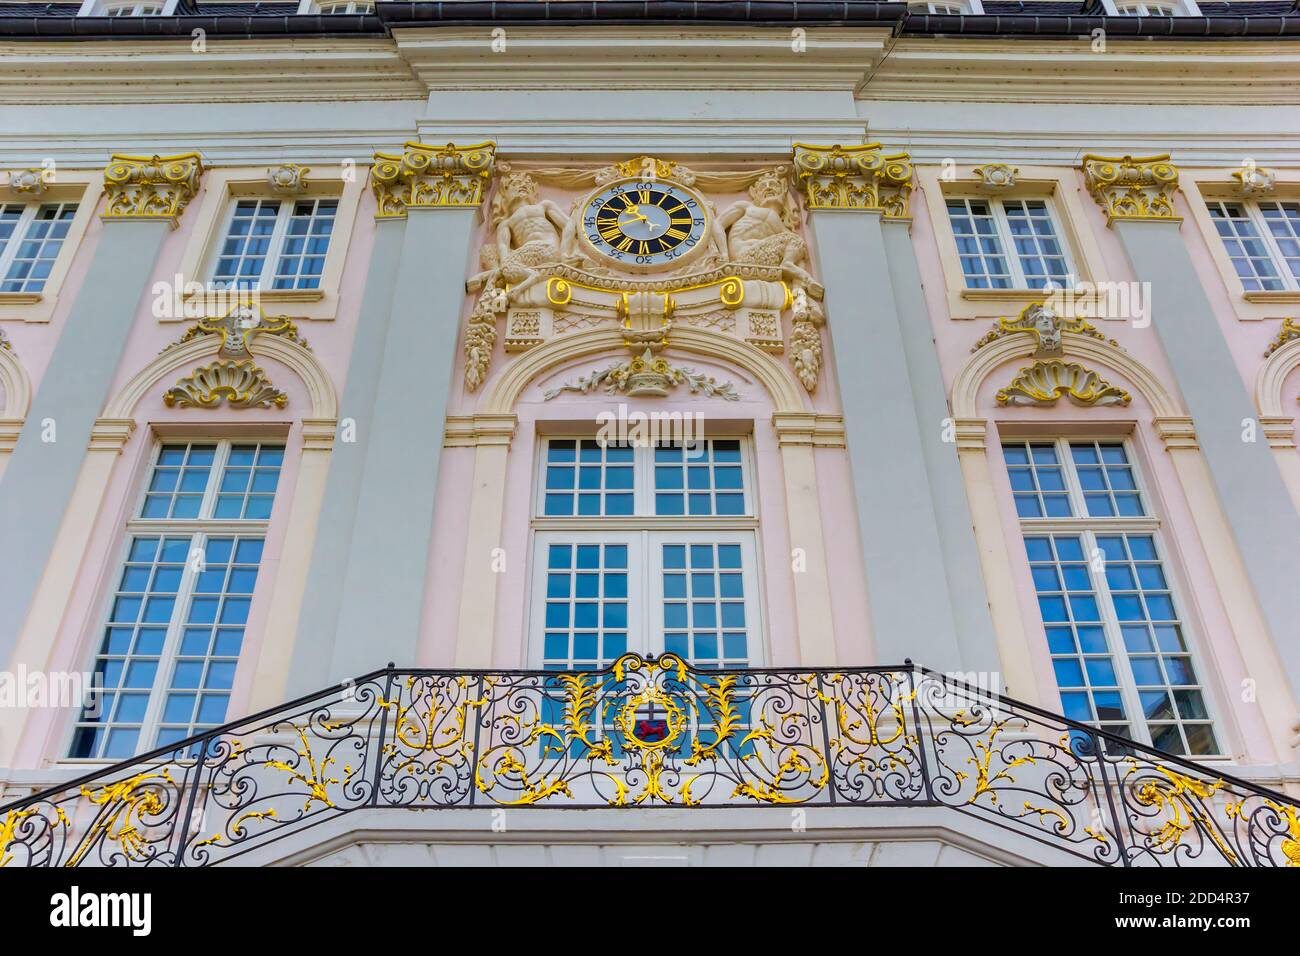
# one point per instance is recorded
(645, 224)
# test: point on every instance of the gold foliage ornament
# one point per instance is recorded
(1044, 382)
(428, 177)
(1130, 187)
(151, 187)
(1290, 330)
(237, 329)
(854, 177)
(239, 384)
(1046, 325)
(648, 376)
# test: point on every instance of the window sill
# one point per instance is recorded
(1278, 296)
(21, 298)
(267, 295)
(647, 522)
(1019, 295)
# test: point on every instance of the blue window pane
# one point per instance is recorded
(1092, 640)
(677, 644)
(1128, 608)
(1038, 549)
(585, 614)
(1068, 673)
(1052, 609)
(1060, 640)
(1142, 548)
(1028, 507)
(1100, 672)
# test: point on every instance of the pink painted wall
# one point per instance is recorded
(1217, 657)
(80, 628)
(752, 415)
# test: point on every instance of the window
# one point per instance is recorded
(133, 10)
(30, 239)
(1262, 241)
(275, 244)
(345, 6)
(1150, 8)
(951, 9)
(1008, 244)
(177, 615)
(1103, 595)
(675, 574)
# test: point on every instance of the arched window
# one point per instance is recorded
(176, 617)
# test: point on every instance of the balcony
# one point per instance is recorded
(653, 733)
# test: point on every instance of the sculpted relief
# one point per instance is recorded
(642, 230)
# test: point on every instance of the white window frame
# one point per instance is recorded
(1088, 528)
(355, 7)
(1290, 282)
(645, 630)
(10, 251)
(199, 530)
(106, 8)
(644, 533)
(1007, 239)
(965, 7)
(1177, 8)
(643, 493)
(275, 247)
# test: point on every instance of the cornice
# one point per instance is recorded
(632, 58)
(1064, 71)
(169, 71)
(414, 63)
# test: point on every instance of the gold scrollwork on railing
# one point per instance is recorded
(646, 733)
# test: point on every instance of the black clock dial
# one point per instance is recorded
(645, 223)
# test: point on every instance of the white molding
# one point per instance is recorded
(639, 57)
(1150, 72)
(228, 71)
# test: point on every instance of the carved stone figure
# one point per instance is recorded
(805, 340)
(528, 232)
(1047, 324)
(481, 335)
(761, 232)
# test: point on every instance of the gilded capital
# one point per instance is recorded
(1133, 187)
(854, 177)
(431, 177)
(151, 187)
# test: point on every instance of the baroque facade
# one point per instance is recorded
(859, 433)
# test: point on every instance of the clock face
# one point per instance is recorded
(645, 223)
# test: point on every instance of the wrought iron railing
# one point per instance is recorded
(653, 733)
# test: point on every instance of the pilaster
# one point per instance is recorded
(144, 198)
(848, 191)
(1138, 195)
(437, 191)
